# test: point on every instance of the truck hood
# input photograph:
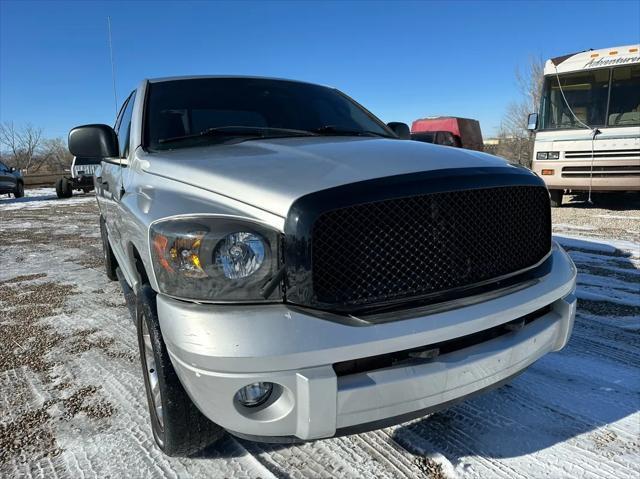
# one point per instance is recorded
(272, 174)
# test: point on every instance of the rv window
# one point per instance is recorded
(624, 105)
(585, 92)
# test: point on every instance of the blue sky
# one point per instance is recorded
(402, 60)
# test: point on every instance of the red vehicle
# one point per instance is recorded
(448, 131)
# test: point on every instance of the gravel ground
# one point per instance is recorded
(72, 402)
(615, 216)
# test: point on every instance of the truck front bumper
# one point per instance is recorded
(218, 349)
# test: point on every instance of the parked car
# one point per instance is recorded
(296, 271)
(80, 177)
(11, 181)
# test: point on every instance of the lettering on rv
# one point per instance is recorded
(604, 62)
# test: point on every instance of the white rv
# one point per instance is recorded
(588, 125)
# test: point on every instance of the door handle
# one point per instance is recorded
(105, 185)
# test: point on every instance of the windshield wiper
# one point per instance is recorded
(337, 131)
(250, 131)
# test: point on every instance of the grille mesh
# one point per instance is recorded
(410, 247)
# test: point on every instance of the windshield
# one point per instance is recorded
(248, 107)
(604, 98)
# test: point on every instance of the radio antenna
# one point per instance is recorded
(113, 68)
(115, 99)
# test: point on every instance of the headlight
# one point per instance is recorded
(240, 255)
(215, 259)
(547, 155)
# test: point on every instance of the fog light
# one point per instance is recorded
(254, 394)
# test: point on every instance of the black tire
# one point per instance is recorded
(66, 188)
(59, 190)
(19, 193)
(110, 262)
(556, 198)
(182, 430)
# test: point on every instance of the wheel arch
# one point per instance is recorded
(139, 268)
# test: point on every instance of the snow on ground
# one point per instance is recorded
(40, 198)
(72, 402)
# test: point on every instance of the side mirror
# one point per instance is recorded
(532, 122)
(400, 129)
(96, 141)
(12, 170)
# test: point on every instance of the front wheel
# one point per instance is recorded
(63, 188)
(67, 187)
(179, 428)
(59, 190)
(19, 193)
(556, 198)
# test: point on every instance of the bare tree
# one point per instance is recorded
(55, 155)
(516, 143)
(22, 145)
(530, 82)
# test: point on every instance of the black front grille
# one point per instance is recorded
(391, 250)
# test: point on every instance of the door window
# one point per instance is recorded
(123, 126)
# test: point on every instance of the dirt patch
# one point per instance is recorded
(604, 438)
(26, 342)
(81, 341)
(611, 215)
(430, 468)
(607, 272)
(91, 257)
(28, 436)
(28, 302)
(615, 254)
(112, 302)
(62, 386)
(23, 277)
(29, 342)
(32, 436)
(77, 403)
(607, 308)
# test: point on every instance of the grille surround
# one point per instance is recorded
(334, 274)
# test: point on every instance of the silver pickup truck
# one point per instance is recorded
(297, 270)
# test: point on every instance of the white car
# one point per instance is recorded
(297, 270)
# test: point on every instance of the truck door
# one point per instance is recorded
(108, 184)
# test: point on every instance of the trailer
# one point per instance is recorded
(80, 178)
(449, 131)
